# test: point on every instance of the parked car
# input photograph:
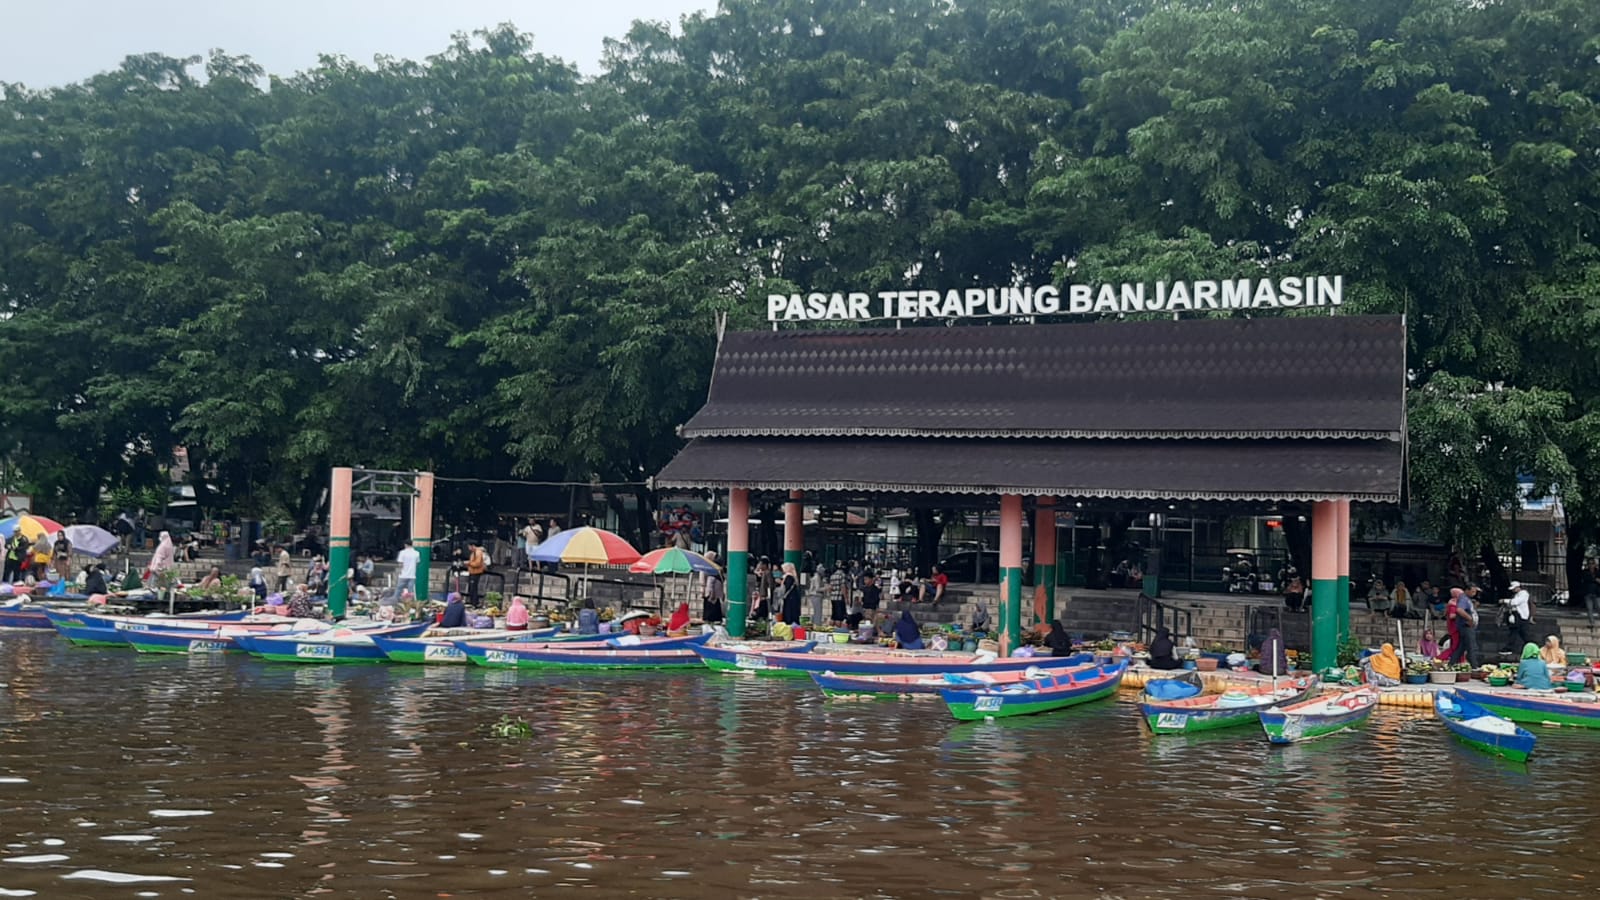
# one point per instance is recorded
(963, 567)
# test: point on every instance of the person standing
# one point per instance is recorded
(1591, 589)
(477, 564)
(789, 589)
(871, 594)
(164, 558)
(16, 552)
(1466, 647)
(711, 590)
(284, 569)
(408, 558)
(1518, 615)
(532, 537)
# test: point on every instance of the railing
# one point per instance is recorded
(1153, 614)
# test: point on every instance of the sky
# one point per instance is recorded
(46, 43)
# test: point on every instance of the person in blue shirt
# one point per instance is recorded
(588, 618)
(1467, 627)
(1532, 672)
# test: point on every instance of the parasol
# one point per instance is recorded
(32, 526)
(673, 561)
(91, 540)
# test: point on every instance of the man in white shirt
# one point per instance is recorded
(1518, 618)
(532, 537)
(408, 559)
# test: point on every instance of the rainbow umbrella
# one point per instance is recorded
(673, 561)
(32, 526)
(587, 545)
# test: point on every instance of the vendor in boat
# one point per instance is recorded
(1059, 642)
(1383, 668)
(1162, 651)
(588, 618)
(1532, 672)
(1551, 652)
(299, 605)
(907, 633)
(1428, 646)
(980, 619)
(258, 583)
(213, 579)
(679, 623)
(517, 615)
(455, 612)
(94, 580)
(866, 632)
(1274, 655)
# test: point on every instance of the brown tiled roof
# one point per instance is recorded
(1277, 377)
(1178, 469)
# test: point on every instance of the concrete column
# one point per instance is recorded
(422, 532)
(339, 542)
(1044, 560)
(794, 529)
(1343, 529)
(738, 560)
(1010, 573)
(1324, 584)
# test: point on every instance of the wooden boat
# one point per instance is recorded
(340, 645)
(80, 634)
(184, 641)
(873, 662)
(1059, 690)
(1238, 706)
(1479, 728)
(439, 648)
(834, 684)
(648, 653)
(1537, 707)
(1319, 716)
(21, 615)
(186, 622)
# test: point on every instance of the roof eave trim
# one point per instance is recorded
(1101, 493)
(1059, 433)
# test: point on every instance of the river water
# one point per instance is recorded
(249, 779)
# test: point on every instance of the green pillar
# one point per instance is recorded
(424, 568)
(338, 575)
(738, 591)
(738, 561)
(1011, 607)
(1343, 603)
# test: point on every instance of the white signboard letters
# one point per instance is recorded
(1291, 292)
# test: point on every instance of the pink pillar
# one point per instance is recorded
(738, 560)
(1044, 561)
(422, 531)
(794, 529)
(1010, 573)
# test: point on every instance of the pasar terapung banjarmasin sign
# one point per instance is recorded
(1292, 292)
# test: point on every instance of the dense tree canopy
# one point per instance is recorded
(485, 263)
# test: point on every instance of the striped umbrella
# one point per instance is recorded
(673, 561)
(588, 546)
(32, 526)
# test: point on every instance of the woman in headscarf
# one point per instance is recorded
(517, 616)
(1551, 652)
(1452, 629)
(164, 558)
(1274, 655)
(789, 589)
(1383, 667)
(1057, 640)
(455, 612)
(1428, 646)
(907, 633)
(1532, 673)
(588, 618)
(299, 605)
(258, 583)
(1161, 651)
(680, 619)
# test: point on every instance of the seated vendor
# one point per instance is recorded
(1274, 654)
(1059, 642)
(1383, 668)
(866, 633)
(588, 619)
(1162, 651)
(94, 580)
(1551, 652)
(1532, 672)
(455, 612)
(907, 633)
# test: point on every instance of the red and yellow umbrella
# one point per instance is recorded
(34, 527)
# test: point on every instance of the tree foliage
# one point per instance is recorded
(485, 263)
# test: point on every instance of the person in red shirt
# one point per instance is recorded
(934, 592)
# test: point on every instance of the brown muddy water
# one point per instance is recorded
(124, 775)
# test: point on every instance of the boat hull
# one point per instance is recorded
(442, 651)
(1318, 717)
(834, 684)
(662, 653)
(1184, 717)
(287, 648)
(1516, 747)
(180, 642)
(800, 665)
(24, 617)
(1526, 707)
(1053, 693)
